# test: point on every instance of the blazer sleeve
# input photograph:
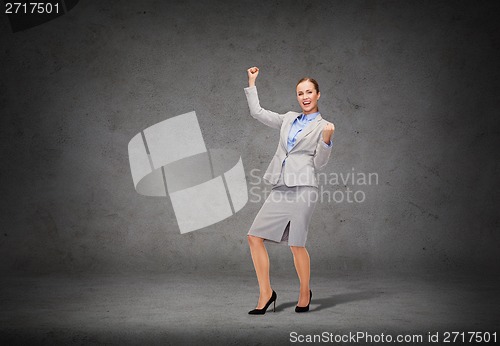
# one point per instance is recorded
(266, 117)
(322, 154)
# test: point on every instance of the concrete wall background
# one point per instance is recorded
(411, 87)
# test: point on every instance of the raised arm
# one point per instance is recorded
(324, 147)
(266, 117)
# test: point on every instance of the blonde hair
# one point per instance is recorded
(312, 80)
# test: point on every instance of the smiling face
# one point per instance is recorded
(308, 97)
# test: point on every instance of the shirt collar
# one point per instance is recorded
(309, 117)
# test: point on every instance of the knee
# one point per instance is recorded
(296, 249)
(253, 240)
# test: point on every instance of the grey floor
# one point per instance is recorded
(194, 308)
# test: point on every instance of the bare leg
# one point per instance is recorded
(260, 260)
(302, 263)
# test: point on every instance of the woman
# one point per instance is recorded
(304, 147)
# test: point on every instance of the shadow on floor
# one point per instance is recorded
(336, 299)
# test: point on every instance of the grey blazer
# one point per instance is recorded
(309, 154)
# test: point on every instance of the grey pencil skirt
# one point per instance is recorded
(285, 215)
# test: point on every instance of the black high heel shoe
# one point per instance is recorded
(304, 308)
(263, 310)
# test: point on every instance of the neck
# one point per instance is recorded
(311, 111)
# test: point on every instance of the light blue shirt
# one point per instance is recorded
(297, 126)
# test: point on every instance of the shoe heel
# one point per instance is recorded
(274, 306)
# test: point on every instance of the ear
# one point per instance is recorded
(319, 94)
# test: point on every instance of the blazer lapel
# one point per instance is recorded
(311, 126)
(286, 130)
(301, 135)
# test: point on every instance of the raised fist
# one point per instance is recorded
(253, 72)
(328, 132)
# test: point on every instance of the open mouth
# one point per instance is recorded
(306, 103)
